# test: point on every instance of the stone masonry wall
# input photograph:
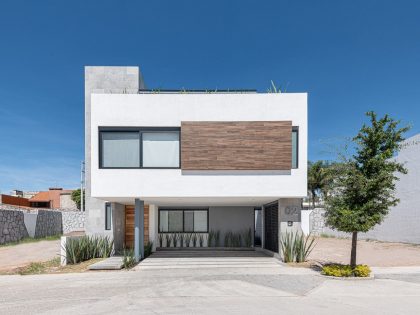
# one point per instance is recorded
(12, 226)
(73, 221)
(48, 223)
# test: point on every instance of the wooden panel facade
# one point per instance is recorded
(129, 225)
(236, 145)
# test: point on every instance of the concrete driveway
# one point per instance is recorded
(205, 285)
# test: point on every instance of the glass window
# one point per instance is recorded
(175, 221)
(188, 221)
(295, 143)
(200, 221)
(183, 221)
(160, 149)
(120, 149)
(163, 221)
(108, 216)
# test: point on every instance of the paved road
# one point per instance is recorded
(219, 285)
(21, 255)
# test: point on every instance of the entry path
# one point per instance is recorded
(22, 254)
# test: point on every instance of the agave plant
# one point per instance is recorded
(296, 247)
(160, 238)
(176, 238)
(247, 238)
(88, 247)
(217, 238)
(148, 249)
(181, 239)
(188, 237)
(210, 238)
(228, 239)
(303, 246)
(194, 238)
(201, 240)
(168, 238)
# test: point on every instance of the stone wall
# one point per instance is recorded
(48, 223)
(73, 221)
(12, 226)
(20, 222)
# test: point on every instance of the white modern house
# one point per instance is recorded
(223, 168)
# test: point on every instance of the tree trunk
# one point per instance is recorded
(353, 250)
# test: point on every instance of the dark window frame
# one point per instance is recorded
(108, 218)
(183, 219)
(140, 130)
(295, 129)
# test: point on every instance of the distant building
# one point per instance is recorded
(55, 198)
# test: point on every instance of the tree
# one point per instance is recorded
(364, 188)
(318, 179)
(75, 196)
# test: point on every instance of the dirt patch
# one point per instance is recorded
(23, 254)
(372, 253)
(50, 267)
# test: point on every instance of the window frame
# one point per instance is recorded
(140, 130)
(296, 130)
(183, 219)
(108, 219)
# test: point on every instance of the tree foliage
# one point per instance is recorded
(318, 179)
(76, 197)
(364, 186)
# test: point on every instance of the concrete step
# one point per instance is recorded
(111, 263)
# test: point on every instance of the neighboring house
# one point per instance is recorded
(54, 198)
(165, 162)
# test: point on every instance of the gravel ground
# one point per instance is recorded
(372, 253)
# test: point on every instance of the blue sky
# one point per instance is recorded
(350, 56)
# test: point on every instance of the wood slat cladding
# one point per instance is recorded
(129, 225)
(236, 145)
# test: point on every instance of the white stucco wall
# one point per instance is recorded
(170, 185)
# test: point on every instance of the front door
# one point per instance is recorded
(271, 227)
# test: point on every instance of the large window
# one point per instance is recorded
(139, 148)
(189, 220)
(160, 149)
(120, 149)
(295, 147)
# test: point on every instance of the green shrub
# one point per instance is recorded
(148, 249)
(88, 247)
(337, 270)
(362, 271)
(296, 247)
(129, 260)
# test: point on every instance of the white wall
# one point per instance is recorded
(168, 110)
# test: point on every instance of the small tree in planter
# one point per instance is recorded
(364, 188)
